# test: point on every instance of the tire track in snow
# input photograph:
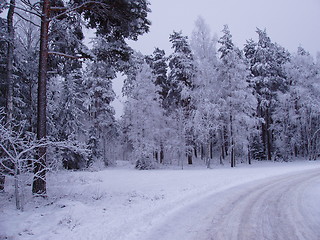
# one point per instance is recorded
(273, 208)
(275, 212)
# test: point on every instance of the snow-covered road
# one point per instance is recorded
(275, 208)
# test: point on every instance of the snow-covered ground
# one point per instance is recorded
(123, 203)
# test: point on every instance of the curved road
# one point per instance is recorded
(278, 208)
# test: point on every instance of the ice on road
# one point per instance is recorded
(277, 208)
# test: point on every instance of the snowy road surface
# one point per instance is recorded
(277, 208)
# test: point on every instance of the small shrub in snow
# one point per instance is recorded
(145, 164)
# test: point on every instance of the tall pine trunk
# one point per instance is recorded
(188, 136)
(269, 135)
(10, 61)
(39, 181)
(249, 154)
(189, 145)
(9, 104)
(208, 155)
(222, 146)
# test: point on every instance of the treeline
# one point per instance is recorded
(211, 100)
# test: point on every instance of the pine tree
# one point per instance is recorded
(66, 45)
(238, 104)
(128, 19)
(66, 96)
(181, 69)
(181, 77)
(159, 66)
(267, 61)
(100, 94)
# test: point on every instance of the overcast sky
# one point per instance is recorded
(288, 22)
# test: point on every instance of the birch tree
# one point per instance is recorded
(144, 116)
(206, 91)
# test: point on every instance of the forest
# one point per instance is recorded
(208, 101)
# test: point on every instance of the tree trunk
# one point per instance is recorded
(222, 155)
(2, 181)
(156, 156)
(195, 151)
(16, 187)
(10, 61)
(211, 149)
(9, 104)
(189, 158)
(269, 139)
(104, 143)
(189, 146)
(202, 152)
(208, 157)
(232, 154)
(39, 181)
(161, 153)
(249, 155)
(233, 164)
(267, 135)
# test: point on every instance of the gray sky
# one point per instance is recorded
(288, 22)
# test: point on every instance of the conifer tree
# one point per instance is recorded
(238, 104)
(181, 80)
(159, 66)
(127, 19)
(267, 61)
(99, 96)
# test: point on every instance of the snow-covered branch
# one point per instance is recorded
(66, 55)
(66, 10)
(27, 20)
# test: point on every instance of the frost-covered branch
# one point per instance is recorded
(17, 155)
(27, 20)
(28, 11)
(66, 55)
